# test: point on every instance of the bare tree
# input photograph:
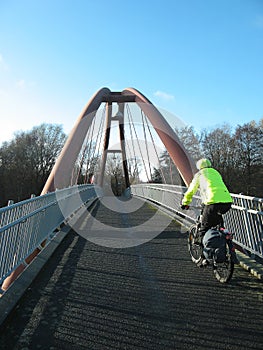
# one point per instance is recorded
(249, 141)
(27, 160)
(191, 141)
(114, 176)
(220, 147)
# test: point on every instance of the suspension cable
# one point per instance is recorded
(100, 132)
(154, 145)
(132, 155)
(132, 123)
(84, 152)
(96, 142)
(146, 144)
(170, 166)
(95, 147)
(90, 142)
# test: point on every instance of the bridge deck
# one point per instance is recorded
(149, 296)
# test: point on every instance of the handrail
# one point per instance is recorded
(25, 225)
(245, 219)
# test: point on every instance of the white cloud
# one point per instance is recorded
(164, 95)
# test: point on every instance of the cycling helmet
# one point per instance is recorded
(203, 163)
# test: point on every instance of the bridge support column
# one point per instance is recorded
(106, 142)
(122, 140)
(109, 118)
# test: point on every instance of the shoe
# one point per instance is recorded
(203, 263)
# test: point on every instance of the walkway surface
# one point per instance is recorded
(145, 296)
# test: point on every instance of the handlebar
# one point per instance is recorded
(188, 207)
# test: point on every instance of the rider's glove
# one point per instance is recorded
(186, 207)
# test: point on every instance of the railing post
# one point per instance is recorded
(246, 221)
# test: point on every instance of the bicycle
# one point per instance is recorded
(223, 271)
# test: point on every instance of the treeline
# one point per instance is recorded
(236, 153)
(26, 161)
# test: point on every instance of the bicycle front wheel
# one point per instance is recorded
(195, 248)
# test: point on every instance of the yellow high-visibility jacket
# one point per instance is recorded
(211, 185)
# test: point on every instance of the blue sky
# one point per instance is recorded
(200, 60)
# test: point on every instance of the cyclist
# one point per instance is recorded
(214, 194)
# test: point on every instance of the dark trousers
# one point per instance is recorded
(212, 215)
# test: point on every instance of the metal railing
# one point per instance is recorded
(25, 225)
(245, 219)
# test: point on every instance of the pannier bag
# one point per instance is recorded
(214, 243)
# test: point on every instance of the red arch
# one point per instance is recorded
(61, 172)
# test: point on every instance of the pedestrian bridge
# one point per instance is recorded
(82, 269)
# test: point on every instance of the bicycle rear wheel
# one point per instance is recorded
(224, 271)
(195, 248)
